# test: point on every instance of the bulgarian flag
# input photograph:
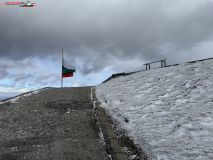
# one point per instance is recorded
(67, 70)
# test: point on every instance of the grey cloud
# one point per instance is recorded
(49, 79)
(101, 33)
(21, 77)
(8, 63)
(3, 73)
(10, 85)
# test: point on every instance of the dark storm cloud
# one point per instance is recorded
(100, 33)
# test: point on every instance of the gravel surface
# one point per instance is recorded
(53, 123)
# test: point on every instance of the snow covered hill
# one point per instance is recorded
(168, 112)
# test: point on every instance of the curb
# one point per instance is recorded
(110, 137)
(112, 146)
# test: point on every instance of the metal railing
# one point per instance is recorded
(162, 61)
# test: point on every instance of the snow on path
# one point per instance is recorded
(168, 112)
(15, 99)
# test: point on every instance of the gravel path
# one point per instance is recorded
(52, 124)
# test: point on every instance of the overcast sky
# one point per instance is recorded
(99, 37)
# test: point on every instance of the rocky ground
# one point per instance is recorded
(52, 124)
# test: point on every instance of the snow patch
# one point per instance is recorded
(166, 111)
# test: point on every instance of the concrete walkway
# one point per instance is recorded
(54, 124)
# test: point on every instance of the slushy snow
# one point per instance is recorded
(168, 112)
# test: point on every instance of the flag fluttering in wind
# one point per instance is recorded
(67, 70)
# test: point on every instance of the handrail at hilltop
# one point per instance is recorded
(162, 61)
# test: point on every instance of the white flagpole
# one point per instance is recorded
(62, 71)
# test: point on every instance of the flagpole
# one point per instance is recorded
(62, 70)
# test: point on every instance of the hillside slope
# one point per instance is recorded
(168, 112)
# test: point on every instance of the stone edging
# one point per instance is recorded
(112, 146)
